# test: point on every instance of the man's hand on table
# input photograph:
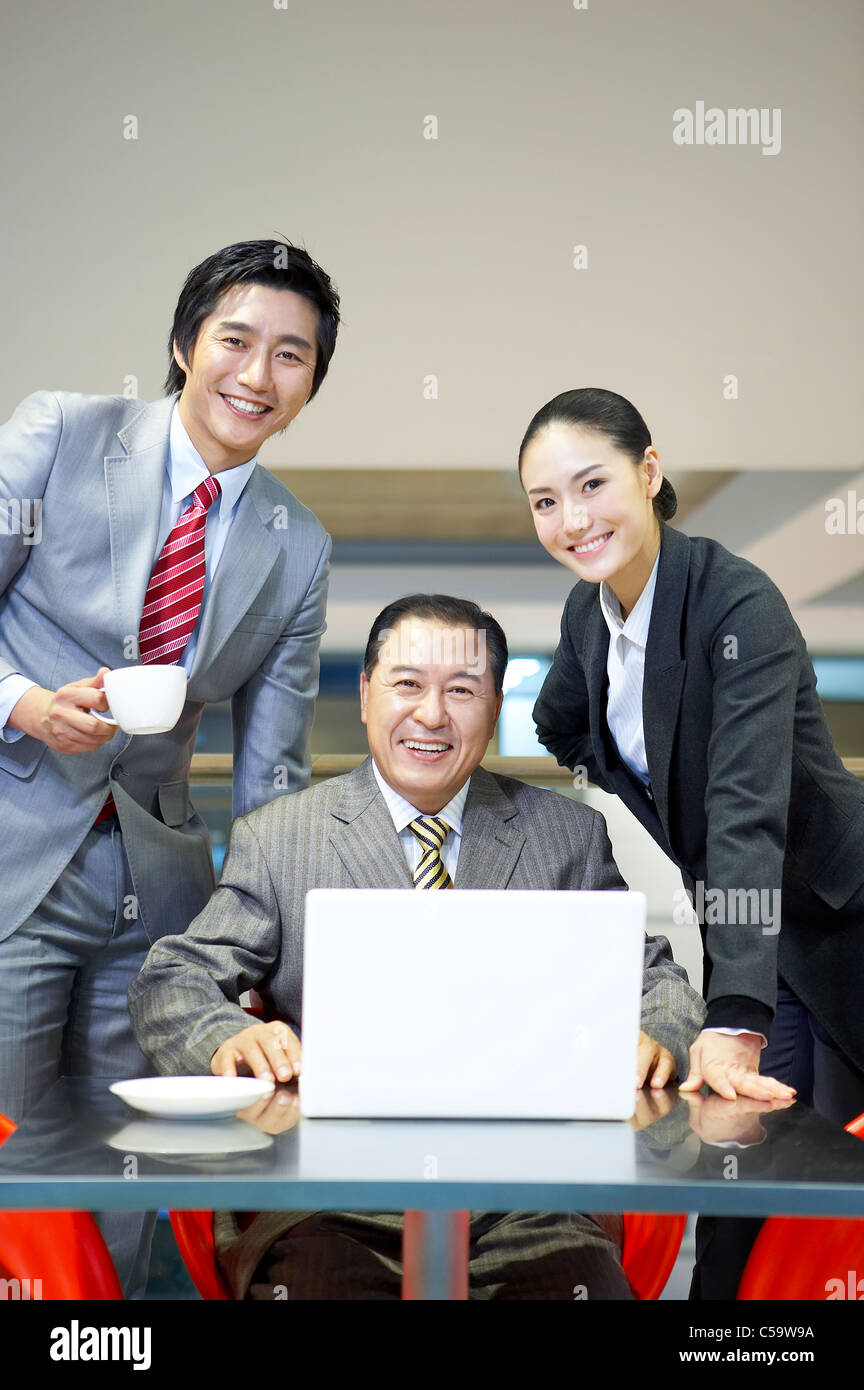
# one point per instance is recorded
(60, 718)
(653, 1064)
(270, 1051)
(729, 1064)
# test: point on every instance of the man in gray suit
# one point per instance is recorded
(102, 850)
(420, 810)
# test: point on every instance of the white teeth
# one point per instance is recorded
(592, 545)
(246, 407)
(427, 747)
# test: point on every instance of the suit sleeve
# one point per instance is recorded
(186, 1000)
(28, 447)
(755, 654)
(273, 711)
(672, 1011)
(561, 711)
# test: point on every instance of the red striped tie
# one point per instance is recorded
(173, 598)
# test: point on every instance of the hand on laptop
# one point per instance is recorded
(653, 1063)
(270, 1051)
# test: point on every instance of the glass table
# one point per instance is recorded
(83, 1148)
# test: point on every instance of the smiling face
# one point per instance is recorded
(430, 709)
(249, 373)
(592, 507)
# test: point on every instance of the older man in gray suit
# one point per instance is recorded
(421, 810)
(148, 533)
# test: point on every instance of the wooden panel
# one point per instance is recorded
(440, 505)
(216, 767)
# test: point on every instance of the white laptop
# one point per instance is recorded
(471, 1005)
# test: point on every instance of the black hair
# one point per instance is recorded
(592, 408)
(276, 264)
(459, 612)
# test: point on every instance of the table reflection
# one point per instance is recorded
(678, 1151)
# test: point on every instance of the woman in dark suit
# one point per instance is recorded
(682, 684)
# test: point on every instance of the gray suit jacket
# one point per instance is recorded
(340, 834)
(70, 603)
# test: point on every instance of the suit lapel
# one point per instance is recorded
(134, 482)
(595, 655)
(133, 486)
(251, 550)
(363, 835)
(661, 690)
(492, 839)
(664, 665)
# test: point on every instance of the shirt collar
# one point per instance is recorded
(403, 812)
(186, 469)
(638, 620)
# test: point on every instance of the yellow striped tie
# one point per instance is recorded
(431, 831)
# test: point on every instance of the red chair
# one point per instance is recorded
(193, 1232)
(651, 1245)
(804, 1257)
(55, 1254)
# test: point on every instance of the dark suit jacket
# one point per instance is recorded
(747, 791)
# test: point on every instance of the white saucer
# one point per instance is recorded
(203, 1096)
(161, 1139)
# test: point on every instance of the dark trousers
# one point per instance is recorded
(512, 1255)
(802, 1055)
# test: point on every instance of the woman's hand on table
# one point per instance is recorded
(729, 1064)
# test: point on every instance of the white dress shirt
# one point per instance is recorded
(403, 813)
(184, 470)
(625, 667)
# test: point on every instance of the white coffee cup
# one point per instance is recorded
(144, 699)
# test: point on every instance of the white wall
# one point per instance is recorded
(454, 255)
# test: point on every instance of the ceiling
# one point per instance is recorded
(469, 531)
